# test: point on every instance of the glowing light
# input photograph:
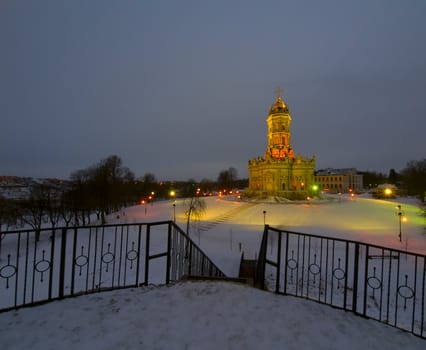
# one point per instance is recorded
(388, 191)
(404, 219)
(172, 193)
(315, 187)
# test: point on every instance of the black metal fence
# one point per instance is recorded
(71, 261)
(376, 282)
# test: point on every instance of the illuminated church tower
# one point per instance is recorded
(280, 172)
(278, 122)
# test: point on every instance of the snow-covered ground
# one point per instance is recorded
(207, 315)
(229, 225)
(195, 315)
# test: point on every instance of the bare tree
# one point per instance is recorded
(414, 178)
(33, 209)
(52, 197)
(196, 206)
(227, 178)
(8, 216)
(102, 188)
(66, 207)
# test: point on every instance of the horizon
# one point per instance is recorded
(199, 179)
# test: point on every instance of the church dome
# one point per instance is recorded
(278, 107)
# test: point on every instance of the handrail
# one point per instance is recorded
(385, 284)
(69, 261)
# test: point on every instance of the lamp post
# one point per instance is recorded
(399, 213)
(264, 217)
(174, 212)
(173, 197)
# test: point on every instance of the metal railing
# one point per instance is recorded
(380, 283)
(71, 261)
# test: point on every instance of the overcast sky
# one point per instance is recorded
(181, 89)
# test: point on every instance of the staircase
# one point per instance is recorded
(248, 270)
(208, 225)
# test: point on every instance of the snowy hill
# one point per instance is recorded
(195, 315)
(212, 315)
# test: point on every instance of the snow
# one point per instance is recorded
(227, 224)
(211, 315)
(195, 315)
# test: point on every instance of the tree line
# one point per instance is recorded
(108, 186)
(411, 180)
(97, 191)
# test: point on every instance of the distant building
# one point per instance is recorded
(279, 172)
(15, 187)
(339, 180)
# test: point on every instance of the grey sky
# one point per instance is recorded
(182, 89)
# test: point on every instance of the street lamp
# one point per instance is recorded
(401, 218)
(144, 204)
(174, 212)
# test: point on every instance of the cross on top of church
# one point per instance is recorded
(278, 91)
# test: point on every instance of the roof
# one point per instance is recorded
(279, 106)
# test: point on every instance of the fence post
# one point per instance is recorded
(277, 286)
(52, 261)
(190, 258)
(261, 260)
(286, 262)
(139, 249)
(355, 282)
(148, 230)
(62, 263)
(169, 239)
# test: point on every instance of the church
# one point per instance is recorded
(279, 172)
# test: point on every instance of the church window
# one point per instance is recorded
(275, 153)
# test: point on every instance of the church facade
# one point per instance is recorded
(279, 172)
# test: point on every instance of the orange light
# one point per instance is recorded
(404, 219)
